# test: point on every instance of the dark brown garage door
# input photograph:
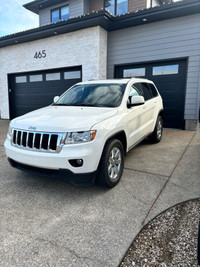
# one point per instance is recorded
(30, 91)
(170, 79)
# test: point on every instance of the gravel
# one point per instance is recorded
(170, 239)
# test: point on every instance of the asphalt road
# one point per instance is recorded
(49, 222)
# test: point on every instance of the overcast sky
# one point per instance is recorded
(15, 18)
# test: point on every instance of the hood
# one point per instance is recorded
(62, 119)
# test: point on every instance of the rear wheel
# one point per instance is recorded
(112, 164)
(156, 136)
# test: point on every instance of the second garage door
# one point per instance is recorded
(170, 79)
(30, 91)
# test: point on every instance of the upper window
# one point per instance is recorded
(116, 7)
(165, 70)
(137, 72)
(53, 76)
(154, 3)
(61, 13)
(21, 79)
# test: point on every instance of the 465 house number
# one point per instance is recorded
(40, 54)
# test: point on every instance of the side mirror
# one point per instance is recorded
(136, 101)
(55, 98)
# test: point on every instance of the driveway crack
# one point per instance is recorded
(73, 252)
(157, 174)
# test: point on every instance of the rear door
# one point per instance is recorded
(150, 108)
(142, 118)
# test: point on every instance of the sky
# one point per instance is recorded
(15, 18)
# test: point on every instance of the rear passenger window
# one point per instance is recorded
(146, 91)
(153, 90)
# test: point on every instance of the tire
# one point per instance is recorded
(156, 136)
(111, 164)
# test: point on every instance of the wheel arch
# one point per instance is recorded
(161, 113)
(121, 136)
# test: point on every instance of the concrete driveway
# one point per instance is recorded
(48, 222)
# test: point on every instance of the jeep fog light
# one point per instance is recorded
(76, 162)
(79, 137)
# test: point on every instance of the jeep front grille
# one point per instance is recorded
(37, 141)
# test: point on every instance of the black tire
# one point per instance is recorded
(156, 136)
(111, 164)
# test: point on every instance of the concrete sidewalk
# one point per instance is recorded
(46, 222)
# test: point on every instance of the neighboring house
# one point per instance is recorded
(79, 40)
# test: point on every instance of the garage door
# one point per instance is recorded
(30, 91)
(170, 79)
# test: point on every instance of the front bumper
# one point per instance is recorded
(85, 179)
(88, 152)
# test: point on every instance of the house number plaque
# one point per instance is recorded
(40, 54)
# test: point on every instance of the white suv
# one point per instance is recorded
(84, 135)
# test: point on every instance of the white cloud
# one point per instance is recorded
(14, 17)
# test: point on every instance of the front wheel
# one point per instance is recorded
(156, 136)
(111, 164)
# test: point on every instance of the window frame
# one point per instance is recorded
(59, 9)
(115, 7)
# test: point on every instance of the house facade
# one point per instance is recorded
(80, 40)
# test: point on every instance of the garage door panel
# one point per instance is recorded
(170, 79)
(35, 91)
(165, 79)
(31, 91)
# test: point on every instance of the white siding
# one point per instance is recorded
(75, 10)
(44, 16)
(169, 39)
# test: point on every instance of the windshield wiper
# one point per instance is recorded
(78, 105)
(86, 105)
(61, 105)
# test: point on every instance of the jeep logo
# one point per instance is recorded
(32, 128)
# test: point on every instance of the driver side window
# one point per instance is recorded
(135, 91)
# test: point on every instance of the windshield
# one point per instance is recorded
(95, 95)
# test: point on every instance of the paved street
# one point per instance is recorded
(48, 222)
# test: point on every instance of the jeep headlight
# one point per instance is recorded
(79, 137)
